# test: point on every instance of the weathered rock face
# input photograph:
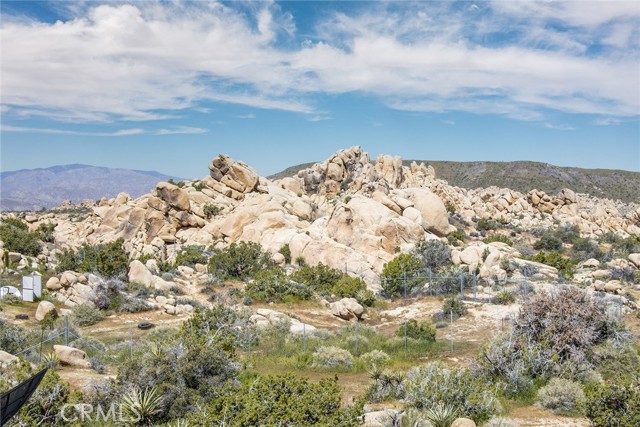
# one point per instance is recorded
(71, 356)
(348, 212)
(347, 309)
(235, 175)
(44, 308)
(6, 358)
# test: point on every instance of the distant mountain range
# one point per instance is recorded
(34, 189)
(524, 176)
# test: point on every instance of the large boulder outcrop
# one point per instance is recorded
(44, 308)
(347, 309)
(173, 195)
(71, 356)
(235, 175)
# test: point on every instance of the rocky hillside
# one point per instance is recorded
(525, 176)
(349, 212)
(34, 189)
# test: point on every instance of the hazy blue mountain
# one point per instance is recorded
(34, 189)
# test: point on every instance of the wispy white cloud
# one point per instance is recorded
(185, 130)
(563, 127)
(151, 60)
(122, 132)
(53, 131)
(608, 121)
(245, 116)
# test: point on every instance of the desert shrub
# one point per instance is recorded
(486, 224)
(109, 259)
(428, 385)
(548, 243)
(133, 305)
(617, 362)
(505, 297)
(456, 235)
(286, 253)
(273, 284)
(624, 274)
(239, 261)
(109, 293)
(280, 401)
(422, 331)
(300, 261)
(176, 290)
(561, 396)
(554, 335)
(375, 357)
(14, 339)
(365, 297)
(138, 290)
(385, 385)
(399, 274)
(565, 266)
(454, 305)
(447, 280)
(189, 368)
(613, 404)
(332, 357)
(434, 254)
(349, 287)
(190, 256)
(46, 232)
(320, 278)
(86, 314)
(567, 233)
(498, 238)
(584, 249)
(211, 210)
(16, 237)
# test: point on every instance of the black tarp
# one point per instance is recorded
(12, 401)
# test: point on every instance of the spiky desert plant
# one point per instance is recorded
(441, 415)
(50, 360)
(142, 405)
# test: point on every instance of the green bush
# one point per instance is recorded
(86, 314)
(613, 404)
(427, 386)
(286, 253)
(349, 287)
(14, 339)
(320, 278)
(561, 396)
(584, 249)
(565, 266)
(454, 305)
(505, 297)
(422, 331)
(498, 238)
(190, 256)
(211, 210)
(375, 358)
(332, 357)
(398, 275)
(434, 254)
(548, 243)
(16, 237)
(108, 259)
(46, 232)
(272, 401)
(273, 285)
(239, 261)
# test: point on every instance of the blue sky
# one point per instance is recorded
(166, 86)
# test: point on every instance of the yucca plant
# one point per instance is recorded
(49, 360)
(142, 405)
(177, 423)
(441, 415)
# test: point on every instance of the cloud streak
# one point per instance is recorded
(149, 61)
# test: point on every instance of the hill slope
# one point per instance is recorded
(34, 189)
(524, 176)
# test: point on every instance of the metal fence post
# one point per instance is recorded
(461, 286)
(475, 284)
(304, 337)
(405, 335)
(620, 307)
(357, 323)
(66, 330)
(131, 339)
(451, 313)
(430, 282)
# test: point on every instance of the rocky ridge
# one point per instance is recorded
(349, 212)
